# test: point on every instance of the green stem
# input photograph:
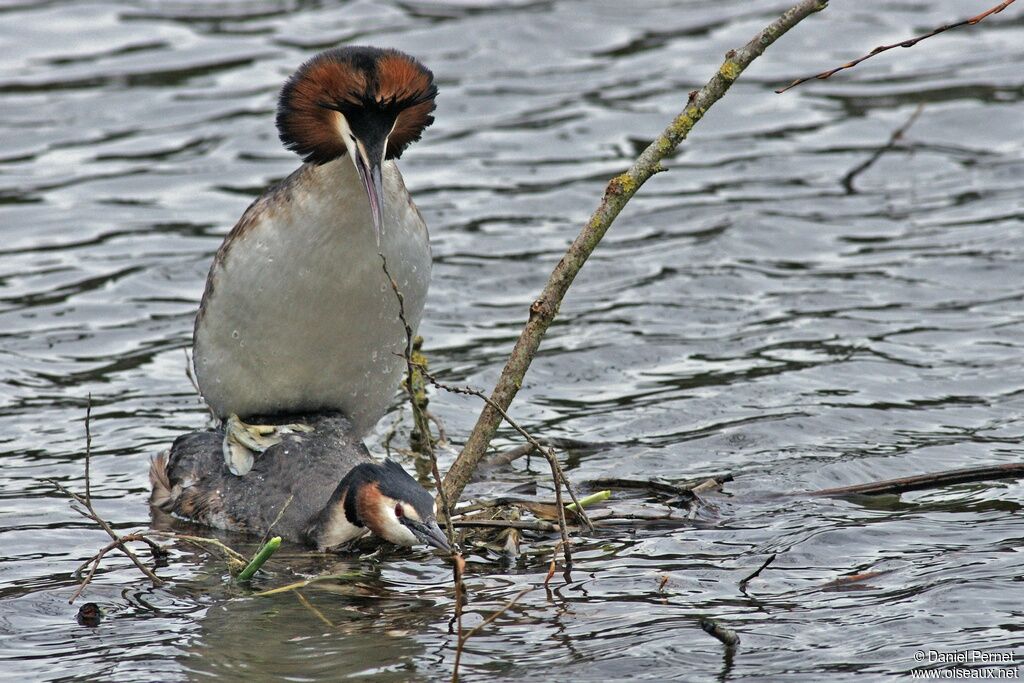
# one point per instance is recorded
(592, 499)
(268, 549)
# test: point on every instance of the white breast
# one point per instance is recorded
(298, 314)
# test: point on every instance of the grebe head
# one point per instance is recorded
(364, 102)
(385, 500)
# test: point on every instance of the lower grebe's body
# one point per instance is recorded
(322, 482)
(299, 316)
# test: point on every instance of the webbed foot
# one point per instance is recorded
(243, 441)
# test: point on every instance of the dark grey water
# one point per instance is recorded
(746, 314)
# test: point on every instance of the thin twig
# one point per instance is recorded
(119, 542)
(308, 605)
(463, 637)
(392, 431)
(896, 136)
(617, 194)
(904, 43)
(558, 474)
(550, 455)
(458, 568)
(442, 432)
(747, 579)
(526, 525)
(418, 418)
(202, 540)
(280, 513)
(88, 449)
(551, 567)
(90, 513)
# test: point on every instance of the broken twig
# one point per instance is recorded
(753, 575)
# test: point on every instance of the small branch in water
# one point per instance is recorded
(119, 542)
(317, 613)
(458, 569)
(525, 525)
(552, 566)
(232, 555)
(896, 136)
(911, 42)
(94, 561)
(88, 450)
(346, 576)
(750, 577)
(465, 636)
(927, 481)
(729, 637)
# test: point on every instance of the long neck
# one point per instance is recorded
(339, 521)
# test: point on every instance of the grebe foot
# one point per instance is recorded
(243, 441)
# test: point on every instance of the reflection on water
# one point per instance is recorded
(748, 314)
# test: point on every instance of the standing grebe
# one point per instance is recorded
(298, 315)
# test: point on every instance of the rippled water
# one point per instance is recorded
(748, 314)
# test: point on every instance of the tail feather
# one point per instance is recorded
(163, 495)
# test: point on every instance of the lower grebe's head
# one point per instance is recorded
(383, 499)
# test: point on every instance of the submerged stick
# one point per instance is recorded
(729, 637)
(346, 576)
(928, 481)
(753, 575)
(896, 136)
(268, 549)
(618, 192)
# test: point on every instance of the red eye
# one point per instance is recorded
(398, 510)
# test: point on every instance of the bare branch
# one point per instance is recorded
(905, 43)
(618, 192)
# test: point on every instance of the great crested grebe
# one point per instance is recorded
(336, 492)
(298, 317)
